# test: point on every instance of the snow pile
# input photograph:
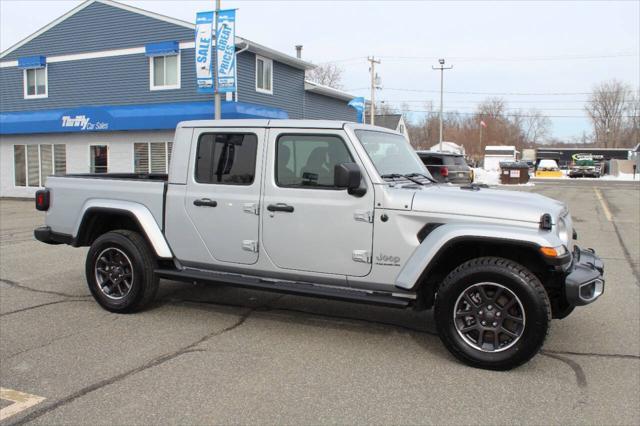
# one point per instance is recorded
(621, 176)
(489, 177)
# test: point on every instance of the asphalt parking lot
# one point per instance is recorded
(224, 355)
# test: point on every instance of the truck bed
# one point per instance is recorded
(82, 191)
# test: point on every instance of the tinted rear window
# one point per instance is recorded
(454, 161)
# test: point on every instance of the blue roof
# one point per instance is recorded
(127, 117)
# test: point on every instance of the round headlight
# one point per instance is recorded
(563, 232)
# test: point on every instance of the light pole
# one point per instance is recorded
(372, 68)
(217, 104)
(441, 68)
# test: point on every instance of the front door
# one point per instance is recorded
(308, 223)
(223, 195)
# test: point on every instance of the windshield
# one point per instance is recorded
(391, 154)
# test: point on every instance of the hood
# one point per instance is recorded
(488, 203)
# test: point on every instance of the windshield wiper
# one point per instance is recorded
(410, 177)
(430, 179)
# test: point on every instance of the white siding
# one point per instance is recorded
(77, 146)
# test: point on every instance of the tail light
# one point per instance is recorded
(444, 172)
(42, 200)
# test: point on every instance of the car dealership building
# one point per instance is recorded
(102, 88)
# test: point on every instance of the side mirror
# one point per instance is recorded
(349, 176)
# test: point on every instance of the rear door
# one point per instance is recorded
(223, 193)
(308, 224)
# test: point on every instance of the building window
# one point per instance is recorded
(264, 75)
(226, 158)
(99, 157)
(164, 72)
(309, 161)
(19, 165)
(35, 83)
(401, 128)
(151, 157)
(33, 163)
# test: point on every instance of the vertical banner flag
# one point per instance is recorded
(226, 51)
(204, 59)
(358, 105)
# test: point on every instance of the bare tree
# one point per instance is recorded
(535, 127)
(327, 75)
(607, 106)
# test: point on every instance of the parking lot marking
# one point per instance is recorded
(604, 205)
(21, 401)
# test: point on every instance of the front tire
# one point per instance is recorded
(492, 313)
(120, 271)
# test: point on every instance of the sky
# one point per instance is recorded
(540, 54)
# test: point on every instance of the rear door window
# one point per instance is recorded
(226, 158)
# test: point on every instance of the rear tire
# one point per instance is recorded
(492, 313)
(120, 271)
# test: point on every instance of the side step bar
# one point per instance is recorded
(288, 287)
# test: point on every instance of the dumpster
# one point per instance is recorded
(514, 172)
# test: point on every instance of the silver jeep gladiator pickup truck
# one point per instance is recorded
(335, 210)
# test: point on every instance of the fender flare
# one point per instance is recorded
(442, 237)
(135, 211)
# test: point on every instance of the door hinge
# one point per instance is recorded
(250, 245)
(362, 256)
(253, 208)
(363, 216)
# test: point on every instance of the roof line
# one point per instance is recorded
(148, 13)
(254, 47)
(325, 90)
(47, 27)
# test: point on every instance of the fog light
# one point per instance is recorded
(591, 290)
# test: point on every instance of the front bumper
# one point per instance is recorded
(584, 282)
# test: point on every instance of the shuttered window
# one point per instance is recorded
(33, 163)
(60, 159)
(151, 157)
(46, 162)
(141, 157)
(158, 157)
(20, 165)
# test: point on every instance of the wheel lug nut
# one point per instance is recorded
(498, 314)
(494, 323)
(480, 313)
(489, 307)
(484, 323)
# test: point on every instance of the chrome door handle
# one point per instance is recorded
(205, 202)
(280, 207)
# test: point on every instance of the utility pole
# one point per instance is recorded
(217, 104)
(372, 68)
(441, 68)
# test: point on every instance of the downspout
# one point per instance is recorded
(245, 48)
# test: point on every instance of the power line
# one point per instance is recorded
(507, 115)
(481, 93)
(493, 58)
(508, 101)
(514, 58)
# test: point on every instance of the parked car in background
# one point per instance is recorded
(445, 167)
